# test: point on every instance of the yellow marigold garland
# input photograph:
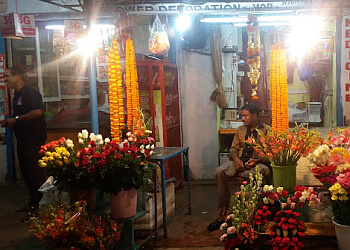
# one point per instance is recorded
(132, 87)
(116, 100)
(279, 88)
(253, 53)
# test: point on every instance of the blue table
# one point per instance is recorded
(160, 157)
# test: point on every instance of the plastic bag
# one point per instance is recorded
(51, 194)
(158, 40)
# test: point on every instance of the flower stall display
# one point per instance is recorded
(71, 227)
(332, 168)
(284, 149)
(253, 52)
(256, 209)
(278, 88)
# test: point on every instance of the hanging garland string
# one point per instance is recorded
(132, 87)
(279, 88)
(116, 100)
(253, 52)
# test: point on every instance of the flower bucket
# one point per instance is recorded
(123, 205)
(342, 232)
(284, 176)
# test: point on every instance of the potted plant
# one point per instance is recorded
(70, 227)
(284, 149)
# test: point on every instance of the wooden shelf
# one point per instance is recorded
(227, 131)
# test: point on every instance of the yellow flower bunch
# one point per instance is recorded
(59, 157)
(338, 192)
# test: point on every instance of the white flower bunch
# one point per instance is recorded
(321, 155)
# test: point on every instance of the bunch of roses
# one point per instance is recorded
(114, 167)
(340, 199)
(304, 195)
(56, 154)
(287, 232)
(239, 229)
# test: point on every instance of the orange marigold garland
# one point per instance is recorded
(132, 87)
(279, 88)
(253, 52)
(116, 100)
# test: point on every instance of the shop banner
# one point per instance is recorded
(18, 26)
(345, 68)
(73, 30)
(220, 7)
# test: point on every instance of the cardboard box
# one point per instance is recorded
(147, 221)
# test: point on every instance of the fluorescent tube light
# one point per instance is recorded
(223, 19)
(54, 27)
(61, 27)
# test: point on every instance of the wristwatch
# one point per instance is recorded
(17, 118)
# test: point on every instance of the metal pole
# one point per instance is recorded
(89, 16)
(338, 63)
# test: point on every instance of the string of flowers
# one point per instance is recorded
(253, 52)
(116, 101)
(132, 88)
(278, 88)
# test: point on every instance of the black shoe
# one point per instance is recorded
(215, 225)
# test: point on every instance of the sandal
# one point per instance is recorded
(215, 225)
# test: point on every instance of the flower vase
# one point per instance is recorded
(284, 176)
(88, 196)
(123, 205)
(342, 232)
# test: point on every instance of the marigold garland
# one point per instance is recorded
(253, 52)
(116, 100)
(279, 88)
(132, 87)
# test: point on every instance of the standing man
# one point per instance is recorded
(243, 160)
(29, 126)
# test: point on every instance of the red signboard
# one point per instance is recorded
(15, 25)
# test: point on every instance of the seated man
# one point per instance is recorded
(243, 160)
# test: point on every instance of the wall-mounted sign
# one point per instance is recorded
(75, 26)
(220, 7)
(17, 26)
(345, 69)
(73, 30)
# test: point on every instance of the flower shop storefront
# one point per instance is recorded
(115, 158)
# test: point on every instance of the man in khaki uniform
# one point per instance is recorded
(243, 160)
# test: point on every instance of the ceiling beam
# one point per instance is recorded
(69, 7)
